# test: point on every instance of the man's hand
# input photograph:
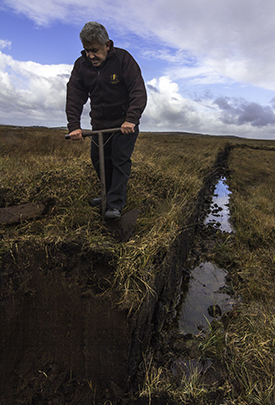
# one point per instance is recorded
(76, 135)
(127, 127)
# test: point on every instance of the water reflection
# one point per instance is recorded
(207, 295)
(219, 209)
(206, 289)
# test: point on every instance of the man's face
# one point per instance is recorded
(95, 52)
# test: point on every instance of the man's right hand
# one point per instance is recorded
(76, 135)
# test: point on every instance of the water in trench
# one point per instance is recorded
(219, 215)
(205, 299)
(207, 296)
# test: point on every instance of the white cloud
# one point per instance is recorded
(165, 105)
(221, 42)
(44, 13)
(4, 43)
(32, 92)
(167, 110)
(233, 38)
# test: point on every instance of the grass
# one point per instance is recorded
(251, 336)
(245, 343)
(167, 174)
(39, 165)
(164, 186)
(181, 387)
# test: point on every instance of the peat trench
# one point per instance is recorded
(64, 339)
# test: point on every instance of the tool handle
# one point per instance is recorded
(91, 133)
(102, 173)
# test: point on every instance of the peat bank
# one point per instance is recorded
(73, 328)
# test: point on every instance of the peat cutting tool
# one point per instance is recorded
(122, 228)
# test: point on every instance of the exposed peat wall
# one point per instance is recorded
(63, 337)
(58, 332)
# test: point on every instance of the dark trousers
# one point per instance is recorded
(118, 149)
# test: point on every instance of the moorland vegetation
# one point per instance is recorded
(168, 172)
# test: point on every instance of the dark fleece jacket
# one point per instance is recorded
(116, 89)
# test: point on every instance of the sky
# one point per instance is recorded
(208, 65)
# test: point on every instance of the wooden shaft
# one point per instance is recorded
(102, 172)
(101, 160)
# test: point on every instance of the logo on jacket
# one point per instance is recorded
(114, 79)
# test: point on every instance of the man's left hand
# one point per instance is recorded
(127, 127)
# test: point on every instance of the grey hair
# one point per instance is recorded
(94, 31)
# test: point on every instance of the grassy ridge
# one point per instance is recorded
(167, 174)
(243, 344)
(251, 337)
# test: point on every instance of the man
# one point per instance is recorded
(112, 80)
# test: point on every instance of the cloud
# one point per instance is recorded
(44, 13)
(4, 43)
(201, 48)
(272, 102)
(239, 111)
(230, 38)
(166, 107)
(32, 93)
(167, 110)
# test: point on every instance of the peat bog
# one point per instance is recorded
(86, 319)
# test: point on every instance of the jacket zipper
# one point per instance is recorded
(101, 98)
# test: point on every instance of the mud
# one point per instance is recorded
(14, 214)
(62, 339)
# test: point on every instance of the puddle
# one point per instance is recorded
(206, 294)
(219, 215)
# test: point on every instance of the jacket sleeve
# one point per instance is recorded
(77, 96)
(136, 88)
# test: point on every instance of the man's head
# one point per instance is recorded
(96, 43)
